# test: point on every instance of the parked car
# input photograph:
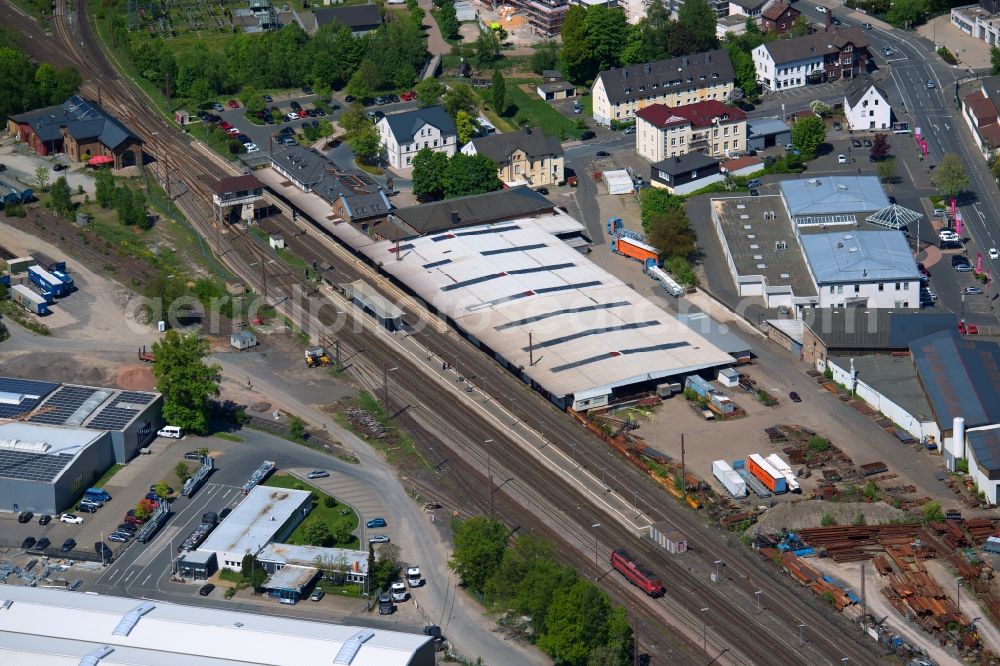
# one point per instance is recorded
(867, 143)
(837, 126)
(192, 455)
(317, 594)
(243, 138)
(393, 98)
(25, 516)
(225, 512)
(375, 522)
(134, 520)
(307, 90)
(127, 527)
(866, 26)
(295, 106)
(841, 159)
(398, 592)
(233, 131)
(70, 518)
(206, 589)
(542, 190)
(233, 104)
(378, 538)
(755, 192)
(930, 84)
(118, 537)
(603, 153)
(994, 254)
(629, 130)
(856, 143)
(268, 99)
(291, 115)
(408, 95)
(972, 291)
(888, 52)
(320, 112)
(385, 605)
(794, 397)
(87, 508)
(349, 99)
(43, 543)
(317, 474)
(45, 519)
(311, 113)
(251, 147)
(59, 167)
(587, 136)
(28, 543)
(68, 545)
(218, 107)
(821, 9)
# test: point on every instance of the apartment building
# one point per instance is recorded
(709, 127)
(817, 58)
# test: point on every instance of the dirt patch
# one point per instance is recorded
(809, 513)
(93, 370)
(136, 378)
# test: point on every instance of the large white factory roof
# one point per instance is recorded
(589, 331)
(255, 520)
(58, 628)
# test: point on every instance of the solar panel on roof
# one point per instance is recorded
(32, 466)
(62, 404)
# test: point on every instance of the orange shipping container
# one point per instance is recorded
(635, 249)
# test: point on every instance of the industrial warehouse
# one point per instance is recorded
(57, 628)
(63, 437)
(556, 319)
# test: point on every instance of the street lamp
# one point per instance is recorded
(595, 526)
(704, 630)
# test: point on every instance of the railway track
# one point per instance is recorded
(748, 637)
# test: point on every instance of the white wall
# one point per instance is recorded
(871, 108)
(786, 75)
(888, 297)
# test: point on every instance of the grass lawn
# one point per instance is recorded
(539, 111)
(228, 436)
(320, 512)
(107, 476)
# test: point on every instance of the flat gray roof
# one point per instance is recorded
(720, 335)
(895, 377)
(833, 195)
(859, 256)
(753, 238)
(255, 520)
(766, 127)
(381, 306)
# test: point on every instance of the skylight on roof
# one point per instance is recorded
(131, 619)
(352, 645)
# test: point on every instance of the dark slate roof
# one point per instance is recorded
(660, 76)
(684, 163)
(985, 448)
(354, 16)
(857, 90)
(817, 44)
(749, 5)
(406, 124)
(774, 9)
(82, 118)
(476, 209)
(961, 377)
(876, 328)
(361, 196)
(236, 184)
(534, 143)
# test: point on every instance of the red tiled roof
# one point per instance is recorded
(773, 11)
(991, 133)
(738, 163)
(982, 108)
(659, 115)
(701, 113)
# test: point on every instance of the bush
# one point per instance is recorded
(329, 502)
(962, 466)
(947, 55)
(827, 519)
(818, 444)
(932, 511)
(859, 519)
(297, 429)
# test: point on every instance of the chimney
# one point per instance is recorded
(648, 69)
(454, 217)
(624, 73)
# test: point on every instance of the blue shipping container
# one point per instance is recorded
(46, 280)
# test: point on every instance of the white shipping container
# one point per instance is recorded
(784, 469)
(729, 479)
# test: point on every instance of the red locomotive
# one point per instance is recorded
(637, 574)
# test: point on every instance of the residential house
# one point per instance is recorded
(777, 16)
(686, 173)
(815, 58)
(403, 134)
(981, 111)
(361, 19)
(710, 127)
(866, 107)
(526, 157)
(619, 93)
(748, 8)
(79, 128)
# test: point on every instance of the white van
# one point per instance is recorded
(170, 431)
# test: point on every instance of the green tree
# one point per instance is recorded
(700, 19)
(366, 143)
(329, 501)
(800, 27)
(342, 533)
(429, 92)
(460, 97)
(364, 80)
(447, 20)
(185, 380)
(671, 234)
(907, 13)
(620, 642)
(827, 519)
(545, 56)
(994, 60)
(182, 472)
(576, 623)
(607, 30)
(887, 171)
(61, 196)
(464, 127)
(42, 178)
(131, 208)
(951, 177)
(317, 533)
(104, 188)
(428, 174)
(746, 74)
(479, 547)
(808, 134)
(387, 566)
(297, 428)
(654, 202)
(487, 47)
(498, 92)
(577, 62)
(470, 174)
(200, 92)
(142, 511)
(542, 577)
(162, 489)
(252, 571)
(252, 100)
(932, 511)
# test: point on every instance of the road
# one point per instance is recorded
(459, 431)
